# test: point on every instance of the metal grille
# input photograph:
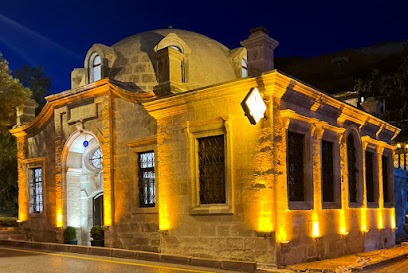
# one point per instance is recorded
(147, 190)
(369, 176)
(352, 168)
(36, 190)
(211, 169)
(295, 167)
(385, 178)
(96, 159)
(327, 171)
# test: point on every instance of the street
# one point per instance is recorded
(16, 260)
(397, 267)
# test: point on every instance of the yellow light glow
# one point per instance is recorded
(406, 146)
(316, 232)
(164, 223)
(265, 221)
(342, 221)
(59, 219)
(363, 219)
(380, 219)
(399, 145)
(393, 225)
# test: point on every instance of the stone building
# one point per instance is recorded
(178, 145)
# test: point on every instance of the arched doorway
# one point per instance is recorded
(83, 184)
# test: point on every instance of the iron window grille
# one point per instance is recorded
(295, 167)
(36, 190)
(327, 171)
(211, 165)
(147, 190)
(385, 178)
(352, 168)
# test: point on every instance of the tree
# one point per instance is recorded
(35, 79)
(12, 94)
(392, 89)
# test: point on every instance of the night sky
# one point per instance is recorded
(57, 34)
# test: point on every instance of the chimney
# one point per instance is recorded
(260, 49)
(373, 106)
(26, 113)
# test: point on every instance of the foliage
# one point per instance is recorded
(97, 233)
(12, 94)
(8, 171)
(35, 79)
(69, 234)
(392, 89)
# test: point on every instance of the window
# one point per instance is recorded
(36, 190)
(352, 168)
(327, 171)
(147, 190)
(244, 68)
(211, 165)
(295, 166)
(387, 198)
(369, 176)
(96, 159)
(94, 68)
(183, 77)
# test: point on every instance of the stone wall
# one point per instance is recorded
(401, 198)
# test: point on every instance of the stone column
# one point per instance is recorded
(380, 151)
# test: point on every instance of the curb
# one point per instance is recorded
(137, 255)
(380, 263)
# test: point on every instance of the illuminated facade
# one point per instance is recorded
(183, 171)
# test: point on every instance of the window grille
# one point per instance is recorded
(369, 176)
(295, 168)
(327, 171)
(352, 168)
(385, 178)
(147, 190)
(211, 169)
(36, 190)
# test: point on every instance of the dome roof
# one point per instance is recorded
(134, 59)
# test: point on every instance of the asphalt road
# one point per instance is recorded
(397, 267)
(16, 260)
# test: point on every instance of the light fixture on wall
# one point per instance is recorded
(284, 244)
(344, 235)
(254, 106)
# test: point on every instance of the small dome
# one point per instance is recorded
(203, 60)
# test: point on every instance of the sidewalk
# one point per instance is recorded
(351, 263)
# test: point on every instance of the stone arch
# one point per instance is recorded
(80, 182)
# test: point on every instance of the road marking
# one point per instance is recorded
(102, 260)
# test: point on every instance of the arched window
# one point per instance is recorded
(183, 76)
(352, 168)
(244, 68)
(94, 68)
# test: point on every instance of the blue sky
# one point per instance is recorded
(57, 34)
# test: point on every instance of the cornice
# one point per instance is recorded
(142, 142)
(90, 90)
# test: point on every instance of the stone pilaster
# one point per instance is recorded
(59, 119)
(317, 134)
(23, 201)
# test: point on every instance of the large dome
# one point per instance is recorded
(135, 59)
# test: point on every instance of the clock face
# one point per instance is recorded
(96, 158)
